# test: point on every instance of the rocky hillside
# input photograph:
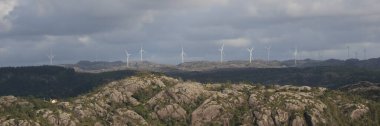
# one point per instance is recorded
(160, 100)
(366, 89)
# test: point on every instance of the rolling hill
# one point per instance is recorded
(159, 100)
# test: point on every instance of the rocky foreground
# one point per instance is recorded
(160, 100)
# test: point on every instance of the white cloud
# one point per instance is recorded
(84, 39)
(238, 42)
(6, 7)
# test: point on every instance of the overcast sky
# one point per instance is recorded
(101, 29)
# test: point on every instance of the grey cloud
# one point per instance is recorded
(161, 27)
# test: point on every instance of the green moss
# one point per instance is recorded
(143, 95)
(238, 114)
(87, 122)
(142, 111)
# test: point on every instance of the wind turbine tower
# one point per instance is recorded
(182, 56)
(51, 57)
(356, 55)
(348, 52)
(128, 55)
(319, 56)
(250, 50)
(141, 53)
(268, 53)
(365, 53)
(295, 55)
(221, 53)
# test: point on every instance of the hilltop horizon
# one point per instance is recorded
(192, 61)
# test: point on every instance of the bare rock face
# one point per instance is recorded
(280, 117)
(298, 121)
(161, 100)
(173, 111)
(14, 122)
(7, 100)
(357, 110)
(127, 117)
(116, 93)
(263, 118)
(83, 112)
(183, 93)
(218, 109)
(357, 113)
(65, 105)
(295, 88)
(10, 122)
(57, 119)
(271, 105)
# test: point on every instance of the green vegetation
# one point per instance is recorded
(333, 100)
(326, 76)
(52, 81)
(142, 110)
(27, 110)
(144, 95)
(59, 82)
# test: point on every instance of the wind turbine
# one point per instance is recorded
(183, 55)
(51, 57)
(356, 55)
(348, 52)
(268, 53)
(250, 50)
(221, 53)
(141, 53)
(127, 54)
(295, 55)
(319, 56)
(365, 53)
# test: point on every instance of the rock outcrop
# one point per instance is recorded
(124, 117)
(160, 100)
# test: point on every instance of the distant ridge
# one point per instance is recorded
(103, 66)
